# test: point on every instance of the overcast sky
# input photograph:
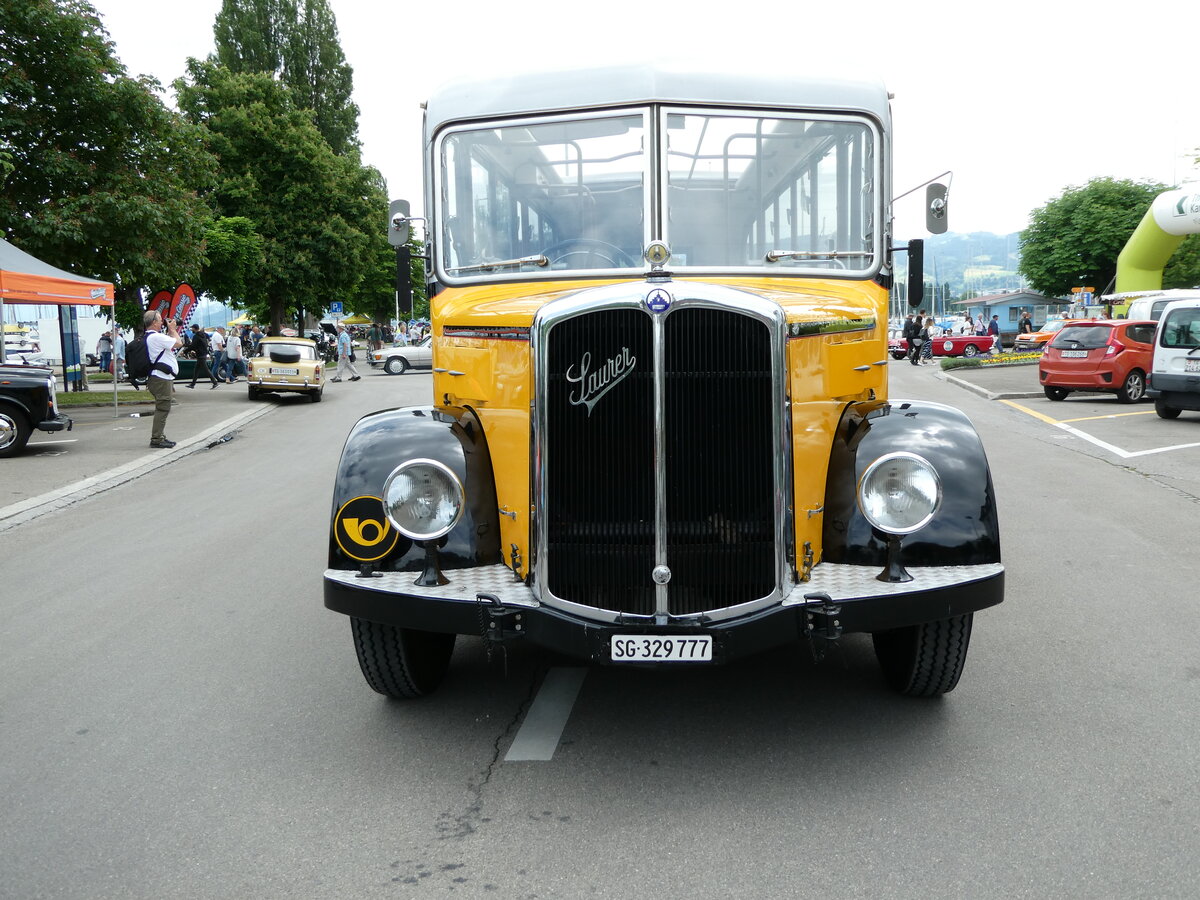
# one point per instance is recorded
(1019, 100)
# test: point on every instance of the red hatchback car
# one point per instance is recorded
(1099, 355)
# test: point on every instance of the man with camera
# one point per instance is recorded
(163, 369)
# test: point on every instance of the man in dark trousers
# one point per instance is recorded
(909, 334)
(199, 346)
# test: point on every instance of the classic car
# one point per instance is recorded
(27, 401)
(398, 360)
(286, 365)
(1037, 340)
(946, 345)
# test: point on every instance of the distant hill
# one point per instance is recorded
(980, 262)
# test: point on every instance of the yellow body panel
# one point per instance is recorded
(836, 353)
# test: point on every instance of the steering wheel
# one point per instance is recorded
(595, 254)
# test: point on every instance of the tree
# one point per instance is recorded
(102, 177)
(1074, 240)
(296, 40)
(309, 206)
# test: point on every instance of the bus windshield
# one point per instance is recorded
(727, 190)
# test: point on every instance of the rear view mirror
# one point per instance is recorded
(936, 209)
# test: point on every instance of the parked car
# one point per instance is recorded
(946, 345)
(1037, 340)
(286, 365)
(28, 401)
(1175, 378)
(398, 360)
(1099, 355)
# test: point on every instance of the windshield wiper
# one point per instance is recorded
(539, 260)
(777, 255)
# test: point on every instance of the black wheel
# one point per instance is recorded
(396, 365)
(1134, 388)
(1164, 411)
(1056, 393)
(253, 393)
(898, 354)
(924, 660)
(315, 396)
(401, 662)
(14, 431)
(970, 350)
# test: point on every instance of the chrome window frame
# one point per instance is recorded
(690, 295)
(878, 207)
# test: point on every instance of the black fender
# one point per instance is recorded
(381, 441)
(964, 531)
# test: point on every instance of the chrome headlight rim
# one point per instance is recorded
(458, 494)
(865, 483)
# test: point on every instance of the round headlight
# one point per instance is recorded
(423, 499)
(899, 493)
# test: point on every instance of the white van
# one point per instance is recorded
(1152, 306)
(1175, 373)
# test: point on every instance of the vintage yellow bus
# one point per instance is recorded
(660, 430)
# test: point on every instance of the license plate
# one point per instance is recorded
(661, 648)
(277, 371)
(1191, 365)
(1074, 354)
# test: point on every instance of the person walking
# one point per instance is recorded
(163, 369)
(104, 348)
(199, 347)
(908, 334)
(217, 342)
(345, 355)
(233, 357)
(994, 330)
(118, 356)
(916, 342)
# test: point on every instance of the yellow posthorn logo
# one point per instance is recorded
(354, 528)
(363, 531)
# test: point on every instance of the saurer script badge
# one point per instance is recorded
(594, 384)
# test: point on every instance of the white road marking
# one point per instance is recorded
(1104, 445)
(538, 736)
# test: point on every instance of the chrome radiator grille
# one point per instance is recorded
(703, 375)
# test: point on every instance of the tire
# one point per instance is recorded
(898, 354)
(315, 396)
(970, 350)
(1056, 393)
(401, 662)
(396, 365)
(1134, 387)
(924, 660)
(14, 431)
(1164, 411)
(253, 393)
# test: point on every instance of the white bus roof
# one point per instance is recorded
(630, 84)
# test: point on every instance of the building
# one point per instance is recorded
(1009, 306)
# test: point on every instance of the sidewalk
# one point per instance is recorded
(1008, 382)
(108, 447)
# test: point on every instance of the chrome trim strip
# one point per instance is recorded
(662, 592)
(687, 295)
(829, 326)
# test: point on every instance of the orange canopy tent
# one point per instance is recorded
(26, 279)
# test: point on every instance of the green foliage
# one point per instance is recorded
(296, 40)
(235, 257)
(1074, 240)
(309, 206)
(102, 177)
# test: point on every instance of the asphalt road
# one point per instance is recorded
(181, 717)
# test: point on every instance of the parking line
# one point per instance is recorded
(1083, 435)
(1144, 412)
(538, 736)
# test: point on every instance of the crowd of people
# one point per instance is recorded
(921, 330)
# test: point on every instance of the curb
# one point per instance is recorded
(991, 395)
(27, 510)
